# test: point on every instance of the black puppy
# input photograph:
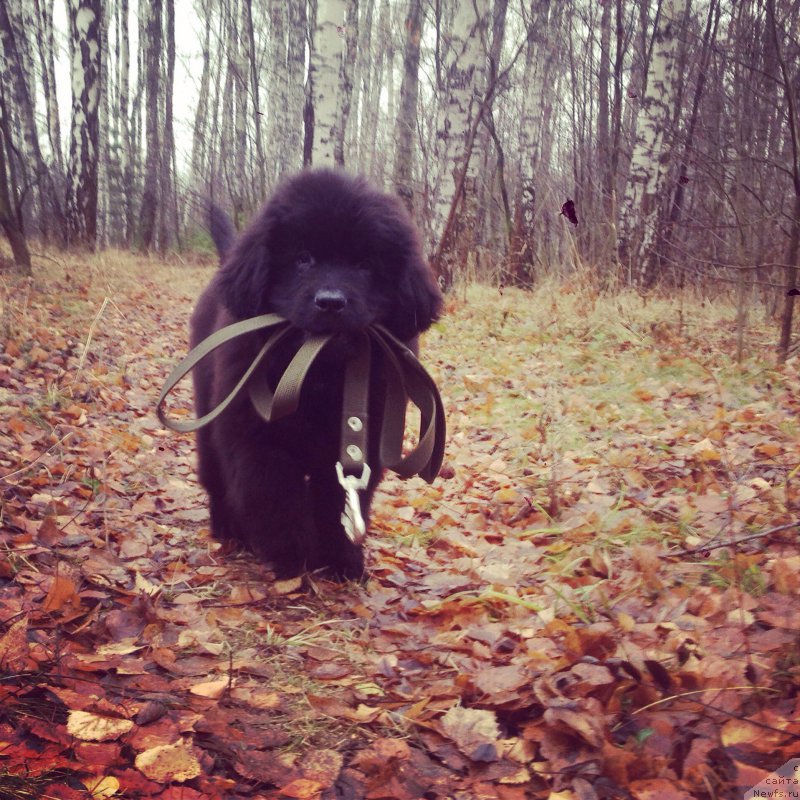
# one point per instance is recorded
(332, 255)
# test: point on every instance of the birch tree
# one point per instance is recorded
(82, 171)
(200, 132)
(260, 176)
(292, 134)
(789, 84)
(327, 93)
(21, 107)
(650, 158)
(10, 210)
(120, 122)
(46, 43)
(345, 86)
(407, 117)
(371, 92)
(150, 46)
(464, 84)
(534, 135)
(169, 204)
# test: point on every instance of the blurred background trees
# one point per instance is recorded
(671, 124)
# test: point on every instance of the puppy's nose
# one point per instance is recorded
(330, 300)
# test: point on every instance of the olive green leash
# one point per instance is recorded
(406, 379)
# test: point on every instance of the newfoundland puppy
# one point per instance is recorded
(332, 255)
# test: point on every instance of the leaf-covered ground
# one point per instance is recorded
(599, 598)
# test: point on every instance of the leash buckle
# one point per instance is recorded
(352, 518)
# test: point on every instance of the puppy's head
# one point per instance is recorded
(332, 255)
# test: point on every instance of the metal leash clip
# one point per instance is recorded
(352, 518)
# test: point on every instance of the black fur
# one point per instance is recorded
(331, 254)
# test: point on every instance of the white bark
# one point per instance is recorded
(279, 120)
(326, 58)
(292, 135)
(650, 159)
(465, 80)
(85, 65)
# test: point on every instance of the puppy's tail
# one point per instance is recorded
(221, 228)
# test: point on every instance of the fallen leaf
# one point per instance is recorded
(302, 789)
(14, 648)
(470, 728)
(323, 766)
(102, 787)
(90, 727)
(211, 689)
(169, 762)
(63, 592)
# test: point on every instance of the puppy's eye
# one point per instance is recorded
(304, 260)
(366, 265)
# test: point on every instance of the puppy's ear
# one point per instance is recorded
(244, 276)
(221, 228)
(418, 302)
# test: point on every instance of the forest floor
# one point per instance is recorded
(599, 598)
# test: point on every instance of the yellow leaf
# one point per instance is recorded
(211, 689)
(143, 586)
(302, 789)
(507, 495)
(168, 762)
(705, 451)
(287, 586)
(626, 621)
(102, 786)
(89, 727)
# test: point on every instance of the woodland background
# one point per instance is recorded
(673, 127)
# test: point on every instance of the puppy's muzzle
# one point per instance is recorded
(330, 301)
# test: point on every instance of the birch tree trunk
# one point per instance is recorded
(792, 265)
(10, 218)
(650, 158)
(532, 122)
(18, 97)
(168, 221)
(386, 82)
(47, 56)
(362, 78)
(292, 135)
(465, 73)
(260, 177)
(326, 59)
(82, 170)
(676, 207)
(406, 128)
(278, 121)
(123, 118)
(150, 37)
(345, 87)
(200, 131)
(607, 140)
(371, 93)
(104, 199)
(238, 71)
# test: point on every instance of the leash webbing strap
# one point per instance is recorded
(355, 411)
(405, 379)
(218, 338)
(410, 376)
(271, 406)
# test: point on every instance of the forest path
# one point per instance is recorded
(520, 613)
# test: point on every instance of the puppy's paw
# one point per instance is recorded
(347, 565)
